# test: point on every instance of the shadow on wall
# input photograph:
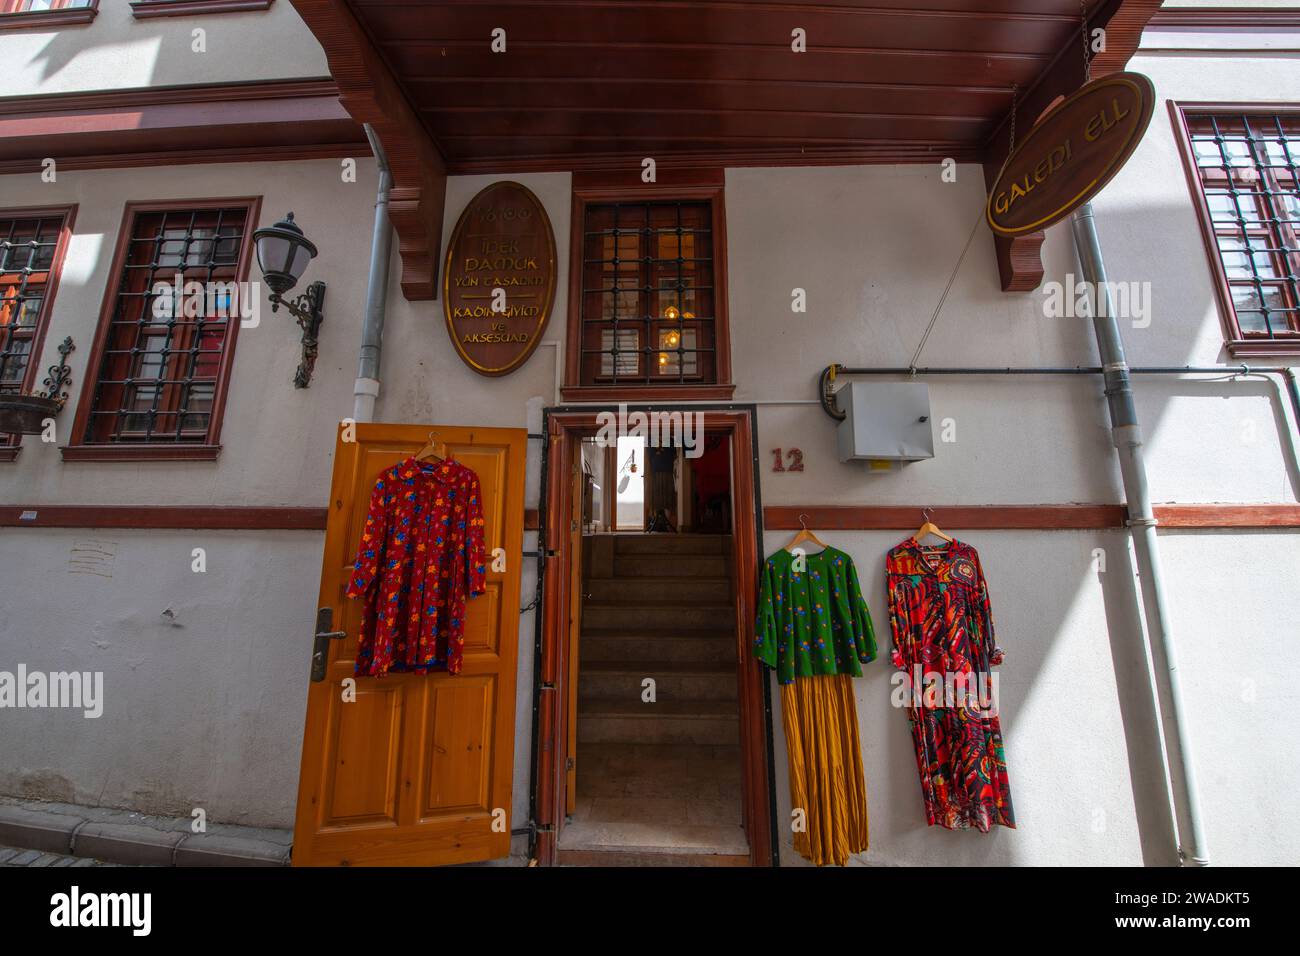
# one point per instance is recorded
(1057, 716)
(1158, 252)
(67, 44)
(1192, 441)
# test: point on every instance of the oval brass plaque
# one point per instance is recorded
(1070, 154)
(499, 282)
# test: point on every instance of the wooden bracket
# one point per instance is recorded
(371, 94)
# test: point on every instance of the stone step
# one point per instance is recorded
(602, 720)
(661, 617)
(650, 856)
(674, 680)
(628, 644)
(671, 566)
(689, 772)
(643, 590)
(626, 544)
(638, 843)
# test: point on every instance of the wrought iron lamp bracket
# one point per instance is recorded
(306, 309)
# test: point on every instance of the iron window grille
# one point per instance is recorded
(171, 325)
(29, 250)
(1248, 167)
(647, 313)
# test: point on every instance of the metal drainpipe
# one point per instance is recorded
(1127, 435)
(366, 389)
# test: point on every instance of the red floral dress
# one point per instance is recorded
(421, 554)
(939, 613)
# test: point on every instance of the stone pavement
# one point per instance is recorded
(10, 856)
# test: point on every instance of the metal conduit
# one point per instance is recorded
(366, 388)
(1233, 372)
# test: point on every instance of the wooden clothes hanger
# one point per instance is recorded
(433, 449)
(805, 535)
(929, 527)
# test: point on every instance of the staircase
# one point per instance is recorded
(658, 782)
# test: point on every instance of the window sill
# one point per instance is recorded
(9, 452)
(47, 18)
(140, 452)
(1263, 348)
(667, 394)
(147, 9)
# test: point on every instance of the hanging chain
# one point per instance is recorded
(1087, 51)
(1015, 106)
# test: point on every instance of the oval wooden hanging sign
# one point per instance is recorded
(1070, 154)
(499, 282)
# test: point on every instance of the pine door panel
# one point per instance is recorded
(417, 771)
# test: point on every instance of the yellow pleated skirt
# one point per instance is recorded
(825, 757)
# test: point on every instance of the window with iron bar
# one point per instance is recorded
(32, 246)
(167, 334)
(1247, 166)
(22, 13)
(648, 294)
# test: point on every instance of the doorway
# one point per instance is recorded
(653, 743)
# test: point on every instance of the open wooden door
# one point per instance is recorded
(417, 770)
(575, 629)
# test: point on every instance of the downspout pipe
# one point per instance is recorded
(366, 389)
(1127, 436)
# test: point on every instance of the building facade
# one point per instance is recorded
(171, 535)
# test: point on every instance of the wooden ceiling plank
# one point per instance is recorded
(655, 92)
(734, 27)
(415, 62)
(1037, 8)
(723, 125)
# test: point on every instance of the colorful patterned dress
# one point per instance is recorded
(421, 554)
(815, 632)
(939, 613)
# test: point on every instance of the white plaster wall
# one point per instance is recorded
(203, 709)
(277, 440)
(1070, 699)
(278, 447)
(1082, 747)
(117, 51)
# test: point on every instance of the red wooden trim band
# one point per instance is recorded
(1025, 517)
(163, 517)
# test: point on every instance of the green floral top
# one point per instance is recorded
(812, 618)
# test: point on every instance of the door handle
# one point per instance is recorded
(320, 650)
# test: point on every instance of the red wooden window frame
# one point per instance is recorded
(145, 9)
(90, 440)
(16, 14)
(685, 186)
(32, 373)
(1268, 232)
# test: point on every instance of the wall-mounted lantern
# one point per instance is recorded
(282, 254)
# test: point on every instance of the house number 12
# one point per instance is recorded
(794, 455)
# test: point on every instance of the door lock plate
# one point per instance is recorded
(321, 646)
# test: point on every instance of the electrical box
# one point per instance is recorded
(885, 421)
